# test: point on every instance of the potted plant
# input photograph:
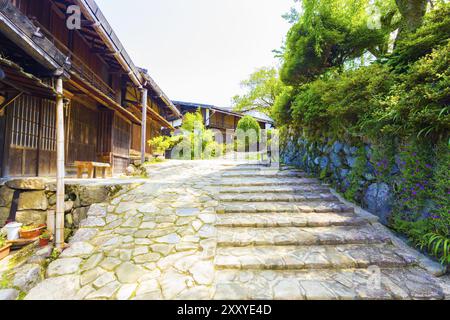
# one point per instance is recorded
(31, 231)
(5, 248)
(44, 239)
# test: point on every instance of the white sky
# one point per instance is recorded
(199, 50)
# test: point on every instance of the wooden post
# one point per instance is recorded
(144, 125)
(60, 170)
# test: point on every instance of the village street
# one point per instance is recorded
(223, 230)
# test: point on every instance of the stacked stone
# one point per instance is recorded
(38, 198)
(338, 161)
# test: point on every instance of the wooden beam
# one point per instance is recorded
(102, 98)
(9, 101)
(60, 165)
(144, 125)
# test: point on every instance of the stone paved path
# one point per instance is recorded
(217, 230)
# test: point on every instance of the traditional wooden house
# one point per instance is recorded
(215, 117)
(103, 91)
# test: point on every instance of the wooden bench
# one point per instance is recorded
(91, 168)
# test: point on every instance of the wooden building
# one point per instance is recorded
(103, 90)
(215, 117)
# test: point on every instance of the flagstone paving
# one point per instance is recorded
(222, 230)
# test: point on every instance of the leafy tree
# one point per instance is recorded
(332, 32)
(293, 15)
(249, 123)
(413, 12)
(195, 136)
(262, 88)
(252, 130)
(434, 32)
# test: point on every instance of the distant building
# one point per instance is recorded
(218, 118)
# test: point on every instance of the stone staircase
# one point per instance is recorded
(281, 235)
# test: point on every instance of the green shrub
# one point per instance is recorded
(419, 103)
(195, 137)
(248, 123)
(422, 210)
(160, 144)
(2, 240)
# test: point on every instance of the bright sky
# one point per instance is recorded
(199, 50)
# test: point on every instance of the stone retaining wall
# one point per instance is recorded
(337, 164)
(38, 199)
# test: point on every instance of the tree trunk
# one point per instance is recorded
(413, 12)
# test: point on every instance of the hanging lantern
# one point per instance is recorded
(2, 99)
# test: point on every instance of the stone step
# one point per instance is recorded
(350, 284)
(295, 189)
(289, 236)
(262, 181)
(261, 168)
(248, 168)
(264, 174)
(266, 220)
(274, 207)
(276, 197)
(312, 257)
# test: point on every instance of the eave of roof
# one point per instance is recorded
(152, 84)
(217, 109)
(19, 29)
(16, 74)
(91, 9)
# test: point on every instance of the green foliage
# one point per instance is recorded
(373, 101)
(251, 128)
(192, 121)
(332, 32)
(248, 123)
(419, 103)
(195, 137)
(162, 143)
(2, 241)
(434, 32)
(338, 106)
(356, 176)
(261, 88)
(281, 111)
(414, 188)
(422, 211)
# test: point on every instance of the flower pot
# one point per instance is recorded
(4, 252)
(13, 230)
(31, 234)
(44, 242)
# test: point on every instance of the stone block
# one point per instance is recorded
(89, 195)
(27, 184)
(79, 215)
(31, 217)
(33, 200)
(6, 196)
(378, 200)
(4, 214)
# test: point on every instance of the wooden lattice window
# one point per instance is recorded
(121, 136)
(48, 129)
(25, 123)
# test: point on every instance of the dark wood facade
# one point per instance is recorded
(102, 92)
